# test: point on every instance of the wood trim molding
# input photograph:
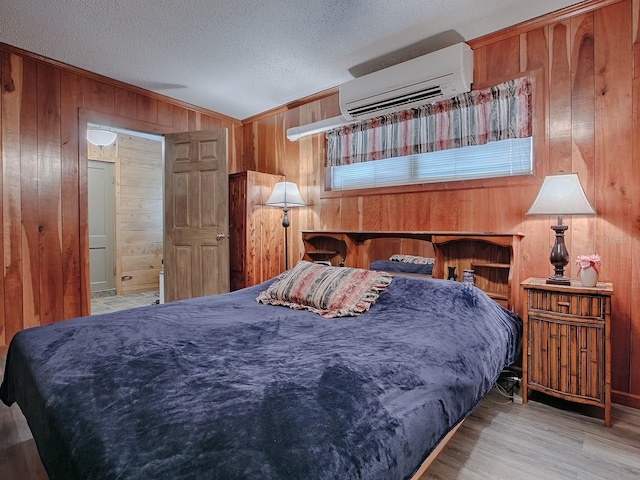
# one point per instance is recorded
(519, 181)
(312, 98)
(624, 398)
(117, 83)
(108, 119)
(265, 114)
(541, 21)
(292, 105)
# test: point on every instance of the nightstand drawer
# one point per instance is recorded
(574, 304)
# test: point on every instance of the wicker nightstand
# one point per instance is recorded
(566, 342)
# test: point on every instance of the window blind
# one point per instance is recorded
(501, 158)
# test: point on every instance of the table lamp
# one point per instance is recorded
(561, 194)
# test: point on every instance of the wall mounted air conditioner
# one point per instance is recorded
(426, 79)
(435, 76)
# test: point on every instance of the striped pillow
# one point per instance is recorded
(328, 291)
(397, 257)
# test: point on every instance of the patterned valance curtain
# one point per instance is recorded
(473, 118)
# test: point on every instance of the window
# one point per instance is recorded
(485, 133)
(494, 159)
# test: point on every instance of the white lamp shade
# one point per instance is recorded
(101, 138)
(285, 194)
(561, 194)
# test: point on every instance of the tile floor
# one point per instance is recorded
(122, 302)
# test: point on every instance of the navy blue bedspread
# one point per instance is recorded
(225, 388)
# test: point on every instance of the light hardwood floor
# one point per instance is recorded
(542, 442)
(498, 441)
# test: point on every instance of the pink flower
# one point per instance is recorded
(588, 261)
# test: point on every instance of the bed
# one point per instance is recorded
(225, 387)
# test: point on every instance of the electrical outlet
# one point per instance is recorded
(517, 394)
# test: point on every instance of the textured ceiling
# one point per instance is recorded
(245, 57)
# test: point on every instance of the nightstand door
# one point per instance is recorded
(567, 356)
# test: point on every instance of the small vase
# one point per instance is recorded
(467, 276)
(589, 277)
(452, 273)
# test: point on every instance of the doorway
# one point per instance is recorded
(90, 118)
(133, 259)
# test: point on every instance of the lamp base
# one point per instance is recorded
(558, 280)
(559, 256)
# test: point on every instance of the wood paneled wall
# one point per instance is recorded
(44, 108)
(589, 56)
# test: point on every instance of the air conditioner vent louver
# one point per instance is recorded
(398, 101)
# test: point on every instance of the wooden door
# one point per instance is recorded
(196, 245)
(102, 198)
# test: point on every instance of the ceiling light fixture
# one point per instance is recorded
(101, 138)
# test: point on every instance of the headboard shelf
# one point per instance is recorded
(322, 252)
(497, 296)
(494, 257)
(490, 265)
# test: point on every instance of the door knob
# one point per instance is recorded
(220, 236)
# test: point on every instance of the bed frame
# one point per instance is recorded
(434, 454)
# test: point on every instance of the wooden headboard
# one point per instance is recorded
(494, 257)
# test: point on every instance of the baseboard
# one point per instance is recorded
(627, 399)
